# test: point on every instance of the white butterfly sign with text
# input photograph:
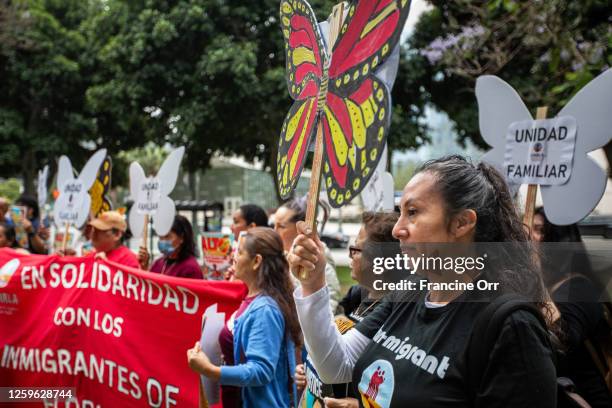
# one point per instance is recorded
(150, 195)
(71, 208)
(550, 153)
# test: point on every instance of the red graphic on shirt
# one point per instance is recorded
(377, 378)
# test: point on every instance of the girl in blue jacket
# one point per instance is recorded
(265, 328)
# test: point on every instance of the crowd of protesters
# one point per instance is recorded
(296, 337)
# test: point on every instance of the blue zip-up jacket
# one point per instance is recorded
(265, 357)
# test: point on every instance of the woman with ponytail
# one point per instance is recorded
(258, 342)
(416, 349)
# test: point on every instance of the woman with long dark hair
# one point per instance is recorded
(584, 308)
(258, 342)
(178, 252)
(411, 350)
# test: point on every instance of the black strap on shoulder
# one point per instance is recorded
(485, 333)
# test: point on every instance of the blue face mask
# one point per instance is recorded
(165, 247)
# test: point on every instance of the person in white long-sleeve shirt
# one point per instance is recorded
(411, 353)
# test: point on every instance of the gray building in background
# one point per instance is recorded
(233, 182)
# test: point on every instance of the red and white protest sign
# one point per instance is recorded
(117, 335)
(217, 250)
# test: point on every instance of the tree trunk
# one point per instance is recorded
(28, 165)
(193, 189)
(28, 172)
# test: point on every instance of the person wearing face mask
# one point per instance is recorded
(178, 252)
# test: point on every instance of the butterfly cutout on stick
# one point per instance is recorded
(339, 92)
(73, 203)
(150, 195)
(500, 107)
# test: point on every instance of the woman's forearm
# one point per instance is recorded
(333, 354)
(212, 371)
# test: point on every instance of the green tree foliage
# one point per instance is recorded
(49, 59)
(77, 75)
(547, 50)
(10, 189)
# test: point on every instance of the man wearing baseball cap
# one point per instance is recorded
(106, 237)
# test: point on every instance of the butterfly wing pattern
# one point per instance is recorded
(98, 192)
(353, 105)
(305, 59)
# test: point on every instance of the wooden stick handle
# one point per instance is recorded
(145, 232)
(315, 188)
(65, 238)
(317, 163)
(532, 189)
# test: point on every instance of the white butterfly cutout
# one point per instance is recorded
(150, 194)
(499, 105)
(43, 175)
(73, 202)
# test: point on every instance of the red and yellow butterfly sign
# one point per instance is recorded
(100, 188)
(339, 92)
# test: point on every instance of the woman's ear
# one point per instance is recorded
(464, 224)
(257, 260)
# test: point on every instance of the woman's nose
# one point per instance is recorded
(399, 232)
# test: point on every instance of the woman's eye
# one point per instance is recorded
(411, 212)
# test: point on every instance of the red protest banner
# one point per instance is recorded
(117, 335)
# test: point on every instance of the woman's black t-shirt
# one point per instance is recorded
(416, 358)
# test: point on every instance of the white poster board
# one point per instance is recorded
(72, 204)
(212, 323)
(569, 195)
(378, 195)
(150, 194)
